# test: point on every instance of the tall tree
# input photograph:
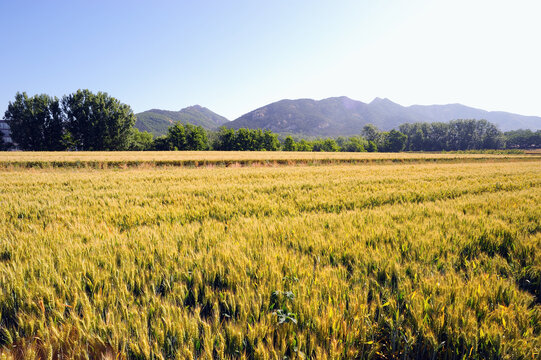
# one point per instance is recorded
(225, 139)
(36, 122)
(196, 138)
(244, 140)
(370, 132)
(97, 121)
(176, 135)
(436, 136)
(289, 144)
(270, 141)
(395, 141)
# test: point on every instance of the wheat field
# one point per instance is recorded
(146, 159)
(437, 260)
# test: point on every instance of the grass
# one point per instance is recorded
(385, 261)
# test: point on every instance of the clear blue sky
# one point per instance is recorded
(234, 56)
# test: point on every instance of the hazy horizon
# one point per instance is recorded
(238, 56)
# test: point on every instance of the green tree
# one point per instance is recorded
(304, 145)
(353, 144)
(491, 136)
(523, 139)
(470, 134)
(97, 121)
(395, 141)
(161, 143)
(244, 140)
(416, 136)
(225, 139)
(36, 122)
(330, 145)
(176, 136)
(270, 141)
(140, 140)
(196, 138)
(436, 137)
(370, 132)
(372, 147)
(289, 144)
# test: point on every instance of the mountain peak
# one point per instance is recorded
(378, 100)
(158, 121)
(194, 107)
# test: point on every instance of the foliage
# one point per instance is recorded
(304, 145)
(140, 140)
(183, 137)
(176, 136)
(36, 122)
(97, 121)
(245, 140)
(371, 133)
(327, 145)
(352, 144)
(371, 147)
(455, 135)
(437, 261)
(81, 121)
(392, 141)
(289, 144)
(523, 139)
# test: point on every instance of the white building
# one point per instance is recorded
(5, 132)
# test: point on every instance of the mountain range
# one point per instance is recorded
(337, 116)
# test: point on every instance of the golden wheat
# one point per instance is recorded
(430, 260)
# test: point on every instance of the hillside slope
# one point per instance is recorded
(157, 121)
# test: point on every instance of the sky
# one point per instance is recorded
(235, 56)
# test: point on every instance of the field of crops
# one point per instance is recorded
(385, 260)
(146, 159)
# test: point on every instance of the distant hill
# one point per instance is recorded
(344, 116)
(157, 121)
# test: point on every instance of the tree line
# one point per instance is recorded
(91, 122)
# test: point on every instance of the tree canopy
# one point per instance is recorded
(82, 121)
(97, 121)
(246, 140)
(36, 122)
(524, 139)
(455, 135)
(183, 137)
